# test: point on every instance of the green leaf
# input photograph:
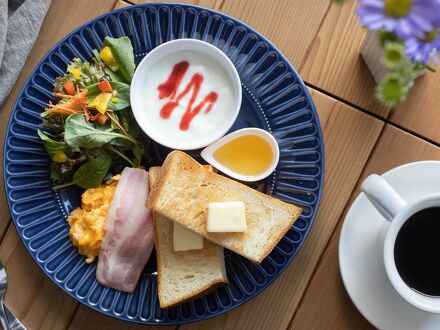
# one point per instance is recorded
(123, 52)
(120, 154)
(134, 128)
(91, 174)
(96, 54)
(123, 98)
(113, 123)
(80, 133)
(107, 127)
(91, 73)
(123, 143)
(138, 152)
(113, 75)
(54, 174)
(51, 145)
(124, 119)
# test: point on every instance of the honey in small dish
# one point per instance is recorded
(248, 155)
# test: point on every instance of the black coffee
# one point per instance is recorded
(417, 252)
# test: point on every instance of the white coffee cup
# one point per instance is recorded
(397, 211)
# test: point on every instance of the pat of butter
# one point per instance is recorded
(226, 217)
(185, 239)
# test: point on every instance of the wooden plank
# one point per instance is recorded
(86, 318)
(333, 63)
(420, 113)
(290, 25)
(335, 309)
(121, 4)
(32, 296)
(349, 137)
(324, 104)
(213, 4)
(274, 19)
(326, 304)
(63, 16)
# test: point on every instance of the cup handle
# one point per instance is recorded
(384, 198)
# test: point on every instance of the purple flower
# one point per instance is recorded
(407, 18)
(426, 48)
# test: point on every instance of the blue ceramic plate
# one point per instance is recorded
(274, 98)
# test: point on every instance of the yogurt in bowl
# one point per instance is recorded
(185, 94)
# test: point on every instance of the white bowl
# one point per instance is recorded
(208, 153)
(205, 128)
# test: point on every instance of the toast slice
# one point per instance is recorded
(185, 189)
(183, 275)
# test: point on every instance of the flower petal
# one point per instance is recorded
(405, 29)
(390, 25)
(367, 20)
(367, 12)
(372, 3)
(421, 22)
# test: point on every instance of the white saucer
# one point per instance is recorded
(362, 269)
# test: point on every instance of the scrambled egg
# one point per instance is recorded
(87, 222)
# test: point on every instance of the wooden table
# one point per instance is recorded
(321, 40)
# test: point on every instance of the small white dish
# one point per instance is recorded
(361, 257)
(157, 69)
(208, 153)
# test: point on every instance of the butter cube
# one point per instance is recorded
(185, 239)
(226, 217)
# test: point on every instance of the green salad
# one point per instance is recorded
(90, 133)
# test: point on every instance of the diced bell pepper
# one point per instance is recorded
(59, 156)
(105, 86)
(109, 59)
(101, 102)
(76, 72)
(69, 87)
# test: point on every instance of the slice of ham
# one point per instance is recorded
(128, 241)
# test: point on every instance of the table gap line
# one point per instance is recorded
(72, 317)
(340, 99)
(386, 120)
(334, 232)
(415, 134)
(127, 1)
(3, 234)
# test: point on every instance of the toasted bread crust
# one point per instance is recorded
(205, 288)
(244, 244)
(208, 288)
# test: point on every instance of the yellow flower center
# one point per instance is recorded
(397, 8)
(430, 36)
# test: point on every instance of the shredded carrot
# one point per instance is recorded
(63, 96)
(61, 110)
(67, 96)
(75, 104)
